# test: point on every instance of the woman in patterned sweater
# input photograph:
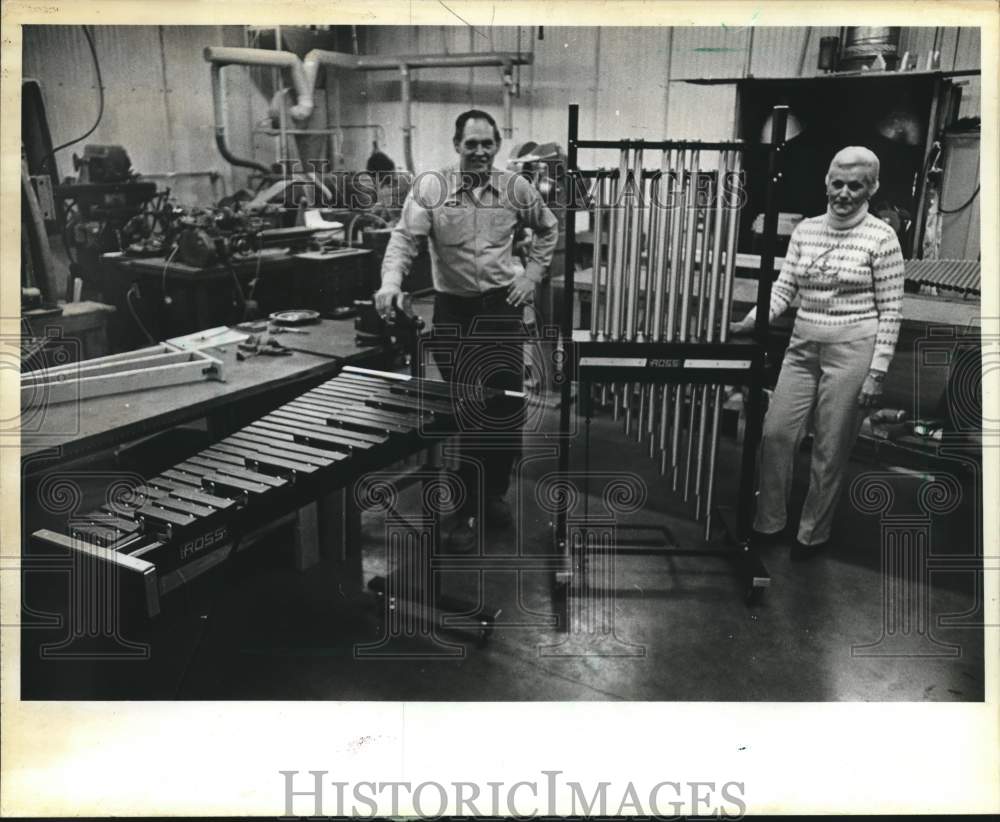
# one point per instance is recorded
(846, 268)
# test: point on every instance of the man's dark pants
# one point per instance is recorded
(478, 341)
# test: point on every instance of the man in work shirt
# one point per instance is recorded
(470, 213)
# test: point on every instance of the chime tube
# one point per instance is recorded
(720, 213)
(713, 449)
(703, 267)
(612, 261)
(598, 278)
(700, 454)
(686, 275)
(692, 427)
(691, 216)
(637, 211)
(621, 249)
(664, 188)
(709, 399)
(727, 292)
(677, 201)
(652, 258)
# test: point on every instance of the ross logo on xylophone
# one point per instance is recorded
(199, 544)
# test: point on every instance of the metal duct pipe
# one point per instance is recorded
(373, 62)
(508, 101)
(219, 107)
(304, 74)
(303, 82)
(407, 100)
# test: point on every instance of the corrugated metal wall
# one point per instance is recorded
(157, 97)
(628, 82)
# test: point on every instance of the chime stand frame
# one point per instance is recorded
(738, 525)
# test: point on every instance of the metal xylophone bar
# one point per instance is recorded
(322, 439)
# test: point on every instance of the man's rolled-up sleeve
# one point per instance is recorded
(414, 222)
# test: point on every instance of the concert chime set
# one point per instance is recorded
(657, 352)
(664, 258)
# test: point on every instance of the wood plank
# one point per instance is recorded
(203, 498)
(222, 457)
(124, 561)
(122, 359)
(112, 517)
(334, 442)
(325, 401)
(227, 481)
(162, 515)
(251, 457)
(90, 368)
(120, 383)
(412, 386)
(240, 473)
(179, 478)
(197, 494)
(184, 506)
(389, 400)
(330, 426)
(317, 435)
(440, 392)
(284, 445)
(350, 417)
(95, 535)
(150, 491)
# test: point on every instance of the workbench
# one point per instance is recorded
(173, 298)
(70, 430)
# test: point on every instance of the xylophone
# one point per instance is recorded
(177, 524)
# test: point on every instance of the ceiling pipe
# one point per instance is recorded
(219, 107)
(305, 72)
(477, 59)
(508, 101)
(407, 100)
(302, 82)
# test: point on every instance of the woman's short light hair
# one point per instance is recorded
(854, 156)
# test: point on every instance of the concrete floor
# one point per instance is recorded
(261, 630)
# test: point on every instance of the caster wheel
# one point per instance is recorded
(485, 632)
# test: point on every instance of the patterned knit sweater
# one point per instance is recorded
(849, 282)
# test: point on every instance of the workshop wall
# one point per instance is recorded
(159, 107)
(626, 80)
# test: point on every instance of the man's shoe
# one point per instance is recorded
(463, 536)
(803, 553)
(498, 514)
